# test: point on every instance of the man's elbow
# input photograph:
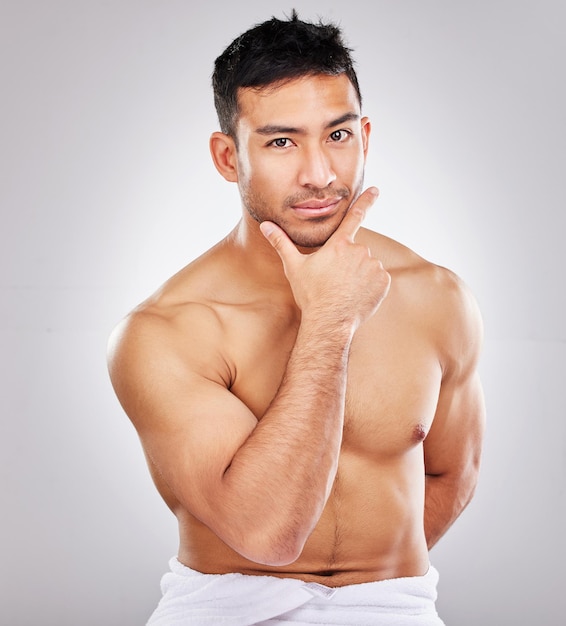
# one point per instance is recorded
(274, 551)
(465, 484)
(457, 485)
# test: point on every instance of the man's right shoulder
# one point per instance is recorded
(187, 324)
(167, 324)
(180, 309)
(174, 328)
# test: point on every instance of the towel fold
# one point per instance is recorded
(195, 599)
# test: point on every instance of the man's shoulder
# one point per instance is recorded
(181, 313)
(193, 292)
(440, 299)
(181, 340)
(405, 264)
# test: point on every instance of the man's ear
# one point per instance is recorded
(366, 131)
(223, 152)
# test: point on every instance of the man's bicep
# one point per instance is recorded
(193, 438)
(454, 440)
(189, 423)
(453, 444)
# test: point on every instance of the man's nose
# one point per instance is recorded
(316, 168)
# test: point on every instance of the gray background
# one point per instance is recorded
(107, 189)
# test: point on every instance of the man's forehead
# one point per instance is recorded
(286, 103)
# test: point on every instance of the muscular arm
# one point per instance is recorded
(278, 482)
(453, 445)
(260, 487)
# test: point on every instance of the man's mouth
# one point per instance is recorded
(315, 207)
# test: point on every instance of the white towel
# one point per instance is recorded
(195, 599)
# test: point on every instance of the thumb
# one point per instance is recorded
(278, 238)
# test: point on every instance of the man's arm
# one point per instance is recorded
(453, 445)
(259, 486)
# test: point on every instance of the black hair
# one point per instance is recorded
(273, 52)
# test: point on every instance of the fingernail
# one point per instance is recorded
(266, 228)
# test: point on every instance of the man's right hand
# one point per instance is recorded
(341, 282)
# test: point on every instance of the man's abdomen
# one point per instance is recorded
(371, 529)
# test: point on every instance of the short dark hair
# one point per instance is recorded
(273, 52)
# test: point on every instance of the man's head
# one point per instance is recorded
(293, 137)
(272, 53)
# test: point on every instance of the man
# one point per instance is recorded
(306, 391)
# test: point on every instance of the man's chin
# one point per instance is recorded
(309, 243)
(312, 236)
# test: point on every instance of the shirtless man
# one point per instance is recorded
(306, 391)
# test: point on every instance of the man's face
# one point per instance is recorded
(301, 155)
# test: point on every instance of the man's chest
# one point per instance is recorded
(392, 385)
(392, 391)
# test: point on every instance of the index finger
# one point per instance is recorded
(356, 214)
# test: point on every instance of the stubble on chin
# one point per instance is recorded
(313, 234)
(310, 236)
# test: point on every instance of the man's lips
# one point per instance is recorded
(316, 207)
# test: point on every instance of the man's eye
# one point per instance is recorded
(282, 142)
(339, 135)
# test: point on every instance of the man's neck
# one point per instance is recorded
(263, 264)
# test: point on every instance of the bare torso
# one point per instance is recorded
(372, 524)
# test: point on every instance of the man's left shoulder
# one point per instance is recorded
(444, 306)
(436, 295)
(449, 311)
(440, 284)
(421, 277)
(442, 296)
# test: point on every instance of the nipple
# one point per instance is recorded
(419, 433)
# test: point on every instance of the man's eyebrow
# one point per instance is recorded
(276, 129)
(347, 117)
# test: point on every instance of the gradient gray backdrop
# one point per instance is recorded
(107, 189)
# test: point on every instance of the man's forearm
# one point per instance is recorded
(446, 496)
(278, 482)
